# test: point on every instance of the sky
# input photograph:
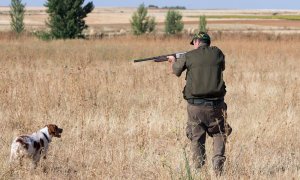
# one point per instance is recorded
(190, 4)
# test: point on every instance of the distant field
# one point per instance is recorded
(285, 17)
(111, 20)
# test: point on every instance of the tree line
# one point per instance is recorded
(66, 19)
(166, 7)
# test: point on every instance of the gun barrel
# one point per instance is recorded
(145, 59)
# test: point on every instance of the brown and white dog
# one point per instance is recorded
(34, 146)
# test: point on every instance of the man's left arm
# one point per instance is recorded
(177, 66)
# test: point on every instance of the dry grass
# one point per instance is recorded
(127, 121)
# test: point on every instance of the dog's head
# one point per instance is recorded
(54, 131)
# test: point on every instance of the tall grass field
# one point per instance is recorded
(125, 120)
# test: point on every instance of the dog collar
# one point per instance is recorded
(46, 137)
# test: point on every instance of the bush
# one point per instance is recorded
(46, 36)
(141, 23)
(173, 23)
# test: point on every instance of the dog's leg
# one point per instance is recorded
(14, 152)
(12, 157)
(33, 164)
(44, 153)
(12, 161)
(15, 160)
(36, 159)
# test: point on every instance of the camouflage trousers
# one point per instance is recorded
(208, 119)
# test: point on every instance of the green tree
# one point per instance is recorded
(202, 24)
(66, 18)
(140, 22)
(173, 23)
(17, 10)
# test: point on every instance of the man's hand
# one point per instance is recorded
(171, 60)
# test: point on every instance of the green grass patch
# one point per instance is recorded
(285, 17)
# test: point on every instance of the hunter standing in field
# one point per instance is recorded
(204, 91)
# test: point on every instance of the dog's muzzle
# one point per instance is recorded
(59, 131)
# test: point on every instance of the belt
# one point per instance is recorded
(205, 102)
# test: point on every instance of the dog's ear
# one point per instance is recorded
(51, 129)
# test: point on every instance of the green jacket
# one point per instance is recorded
(204, 75)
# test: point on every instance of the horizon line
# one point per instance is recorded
(180, 9)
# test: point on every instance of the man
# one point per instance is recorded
(204, 91)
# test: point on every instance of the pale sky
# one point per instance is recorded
(190, 4)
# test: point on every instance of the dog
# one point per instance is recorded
(33, 146)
